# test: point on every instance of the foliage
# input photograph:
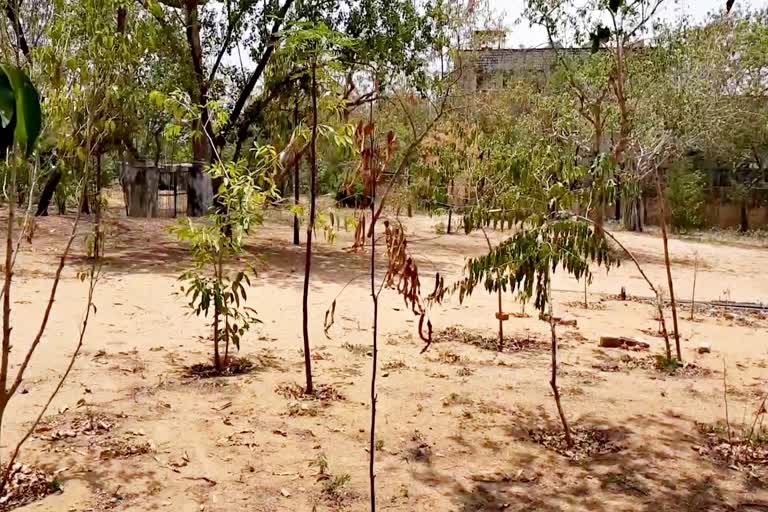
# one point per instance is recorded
(525, 261)
(225, 293)
(20, 111)
(685, 194)
(218, 240)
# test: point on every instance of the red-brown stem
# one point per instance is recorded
(310, 225)
(501, 310)
(553, 377)
(725, 399)
(7, 394)
(8, 473)
(375, 298)
(501, 322)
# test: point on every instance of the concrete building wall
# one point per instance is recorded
(493, 68)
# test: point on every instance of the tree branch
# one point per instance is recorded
(256, 75)
(411, 148)
(12, 12)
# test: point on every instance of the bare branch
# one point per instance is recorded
(94, 277)
(261, 65)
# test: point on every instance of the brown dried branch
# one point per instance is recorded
(90, 306)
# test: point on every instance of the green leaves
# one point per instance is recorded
(210, 290)
(525, 261)
(20, 113)
(7, 101)
(156, 9)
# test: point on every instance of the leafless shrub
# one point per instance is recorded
(295, 391)
(587, 443)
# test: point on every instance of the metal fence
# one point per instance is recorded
(159, 191)
(172, 191)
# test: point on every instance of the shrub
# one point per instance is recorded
(685, 192)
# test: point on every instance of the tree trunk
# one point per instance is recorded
(86, 206)
(409, 208)
(599, 229)
(158, 136)
(296, 182)
(218, 273)
(122, 15)
(744, 214)
(11, 11)
(310, 225)
(196, 193)
(645, 210)
(245, 93)
(501, 310)
(633, 214)
(47, 194)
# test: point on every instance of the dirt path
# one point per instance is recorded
(454, 423)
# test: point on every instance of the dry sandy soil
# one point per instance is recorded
(455, 423)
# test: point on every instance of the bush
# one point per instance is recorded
(686, 193)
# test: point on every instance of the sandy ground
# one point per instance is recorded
(446, 418)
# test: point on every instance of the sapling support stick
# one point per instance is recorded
(296, 179)
(97, 242)
(725, 401)
(667, 263)
(216, 314)
(693, 292)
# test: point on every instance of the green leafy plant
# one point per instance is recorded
(667, 364)
(536, 185)
(334, 486)
(685, 195)
(20, 111)
(217, 241)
